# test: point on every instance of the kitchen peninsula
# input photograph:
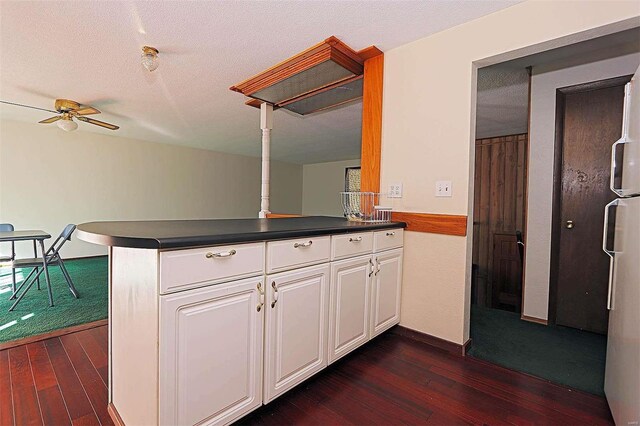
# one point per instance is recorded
(209, 319)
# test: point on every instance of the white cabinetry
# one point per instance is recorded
(349, 305)
(211, 353)
(296, 328)
(385, 294)
(365, 291)
(203, 336)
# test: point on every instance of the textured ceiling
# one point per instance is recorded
(89, 52)
(503, 89)
(502, 103)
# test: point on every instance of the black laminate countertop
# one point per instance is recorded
(176, 234)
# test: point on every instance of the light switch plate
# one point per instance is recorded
(395, 190)
(443, 188)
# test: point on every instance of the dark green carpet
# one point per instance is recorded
(563, 355)
(33, 315)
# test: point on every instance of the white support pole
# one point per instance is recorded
(266, 124)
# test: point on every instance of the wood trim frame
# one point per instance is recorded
(331, 49)
(557, 181)
(450, 347)
(52, 334)
(433, 223)
(115, 416)
(281, 215)
(371, 149)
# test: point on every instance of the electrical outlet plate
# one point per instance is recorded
(443, 188)
(395, 190)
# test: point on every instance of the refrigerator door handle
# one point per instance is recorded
(610, 253)
(620, 192)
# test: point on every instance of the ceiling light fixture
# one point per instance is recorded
(67, 124)
(149, 58)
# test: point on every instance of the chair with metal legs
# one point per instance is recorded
(6, 260)
(52, 257)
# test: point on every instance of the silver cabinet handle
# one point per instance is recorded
(372, 268)
(307, 244)
(390, 234)
(610, 253)
(355, 240)
(260, 297)
(221, 254)
(377, 267)
(569, 224)
(275, 294)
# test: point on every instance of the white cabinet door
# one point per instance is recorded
(211, 353)
(385, 295)
(296, 328)
(349, 305)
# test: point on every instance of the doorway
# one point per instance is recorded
(558, 330)
(588, 119)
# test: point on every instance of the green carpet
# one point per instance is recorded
(562, 355)
(33, 315)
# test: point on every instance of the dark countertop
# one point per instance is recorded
(176, 234)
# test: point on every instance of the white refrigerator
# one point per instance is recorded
(622, 243)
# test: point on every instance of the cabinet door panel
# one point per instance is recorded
(387, 282)
(349, 306)
(211, 354)
(296, 336)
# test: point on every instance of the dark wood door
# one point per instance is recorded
(507, 273)
(592, 122)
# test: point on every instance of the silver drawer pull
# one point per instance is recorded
(390, 234)
(355, 240)
(307, 244)
(221, 254)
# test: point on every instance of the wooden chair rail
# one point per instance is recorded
(445, 224)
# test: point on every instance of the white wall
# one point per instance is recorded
(49, 178)
(321, 183)
(541, 156)
(428, 130)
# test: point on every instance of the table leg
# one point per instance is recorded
(35, 254)
(46, 271)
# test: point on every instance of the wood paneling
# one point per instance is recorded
(392, 379)
(499, 207)
(372, 124)
(432, 223)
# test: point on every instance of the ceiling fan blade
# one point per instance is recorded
(28, 106)
(50, 120)
(98, 123)
(86, 110)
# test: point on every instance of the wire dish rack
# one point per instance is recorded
(365, 207)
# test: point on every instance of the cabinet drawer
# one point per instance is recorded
(388, 239)
(351, 245)
(183, 269)
(296, 253)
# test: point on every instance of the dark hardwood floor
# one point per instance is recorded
(391, 380)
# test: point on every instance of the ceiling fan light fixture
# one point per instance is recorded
(149, 58)
(67, 124)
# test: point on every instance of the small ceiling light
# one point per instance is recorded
(67, 124)
(149, 58)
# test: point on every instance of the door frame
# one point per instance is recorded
(556, 211)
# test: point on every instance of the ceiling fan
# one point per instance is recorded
(67, 110)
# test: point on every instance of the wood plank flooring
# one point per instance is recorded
(392, 380)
